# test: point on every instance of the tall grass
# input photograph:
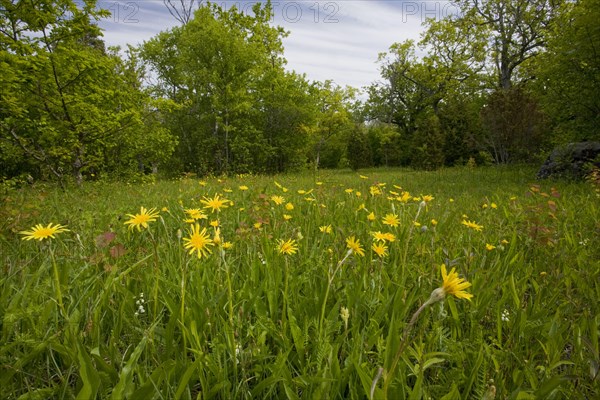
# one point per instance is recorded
(103, 311)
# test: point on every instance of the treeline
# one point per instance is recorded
(500, 82)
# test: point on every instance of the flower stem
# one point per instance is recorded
(230, 309)
(387, 378)
(329, 282)
(57, 284)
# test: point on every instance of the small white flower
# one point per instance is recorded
(505, 316)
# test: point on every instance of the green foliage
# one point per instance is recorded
(567, 75)
(358, 151)
(428, 144)
(238, 109)
(513, 125)
(144, 319)
(70, 108)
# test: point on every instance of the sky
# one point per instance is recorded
(337, 40)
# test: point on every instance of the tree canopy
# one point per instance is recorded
(496, 82)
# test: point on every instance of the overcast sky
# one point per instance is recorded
(338, 40)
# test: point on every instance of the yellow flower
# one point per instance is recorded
(371, 217)
(288, 247)
(227, 190)
(214, 223)
(195, 213)
(405, 197)
(384, 237)
(287, 217)
(416, 224)
(451, 200)
(375, 191)
(41, 232)
(380, 249)
(217, 238)
(227, 245)
(489, 247)
(289, 206)
(318, 183)
(453, 285)
(434, 222)
(164, 209)
(391, 219)
(198, 241)
(216, 203)
(202, 183)
(325, 228)
(349, 190)
(363, 177)
(427, 198)
(358, 194)
(472, 225)
(494, 205)
(277, 200)
(257, 225)
(361, 207)
(354, 245)
(243, 187)
(141, 220)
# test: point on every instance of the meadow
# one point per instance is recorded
(336, 285)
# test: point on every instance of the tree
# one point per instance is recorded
(514, 31)
(68, 102)
(181, 10)
(238, 110)
(568, 73)
(513, 125)
(358, 151)
(333, 120)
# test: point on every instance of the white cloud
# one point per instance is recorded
(338, 40)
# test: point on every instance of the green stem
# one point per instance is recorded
(410, 231)
(156, 276)
(183, 273)
(330, 281)
(230, 308)
(436, 296)
(57, 284)
(285, 294)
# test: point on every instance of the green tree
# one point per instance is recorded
(514, 31)
(68, 101)
(333, 121)
(568, 73)
(238, 109)
(358, 151)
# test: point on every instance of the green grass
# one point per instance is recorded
(248, 322)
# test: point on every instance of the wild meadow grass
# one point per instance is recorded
(285, 305)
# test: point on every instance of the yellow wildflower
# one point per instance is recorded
(198, 241)
(354, 245)
(325, 228)
(288, 247)
(391, 219)
(380, 249)
(141, 220)
(41, 232)
(472, 225)
(216, 203)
